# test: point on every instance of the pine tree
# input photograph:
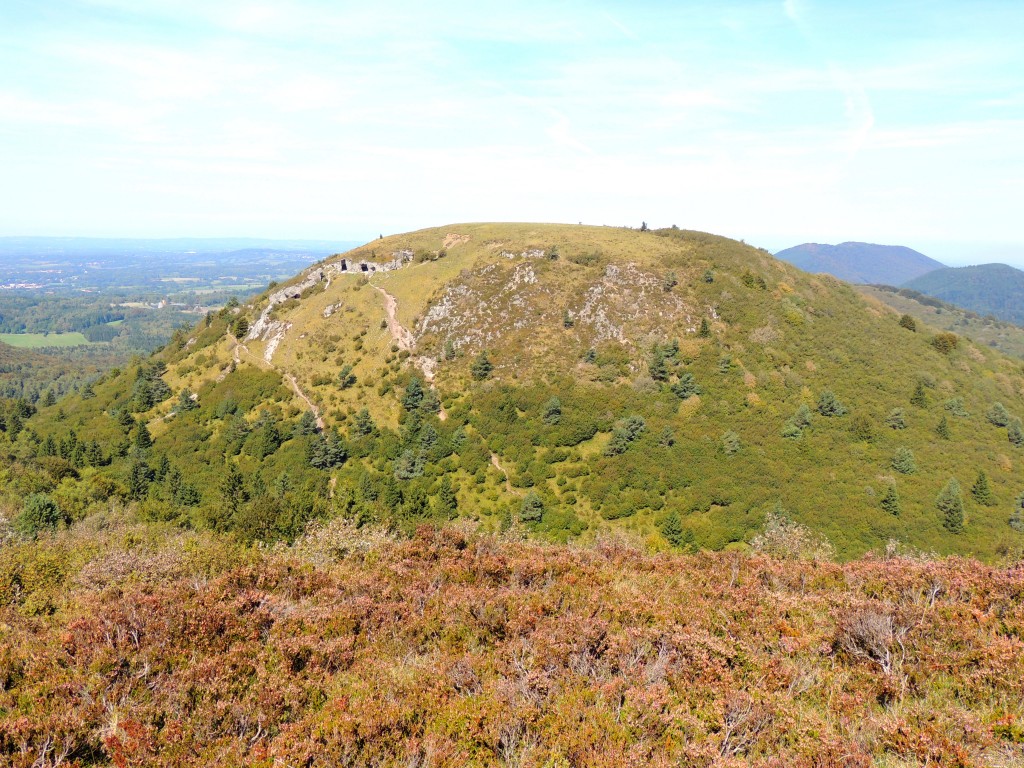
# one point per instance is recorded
(39, 513)
(705, 328)
(240, 327)
(1017, 515)
(49, 399)
(920, 397)
(951, 505)
(143, 441)
(998, 415)
(672, 529)
(896, 419)
(306, 425)
(532, 509)
(139, 478)
(903, 461)
(942, 428)
(447, 500)
(413, 396)
(981, 491)
(657, 366)
(233, 492)
(552, 411)
(891, 501)
(449, 350)
(481, 367)
(362, 424)
(686, 387)
(346, 378)
(1014, 433)
(186, 401)
(802, 417)
(828, 405)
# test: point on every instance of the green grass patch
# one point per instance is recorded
(39, 340)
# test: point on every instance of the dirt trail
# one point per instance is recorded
(405, 340)
(312, 407)
(508, 483)
(400, 334)
(260, 363)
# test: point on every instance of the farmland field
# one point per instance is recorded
(37, 340)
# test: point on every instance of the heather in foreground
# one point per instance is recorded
(143, 645)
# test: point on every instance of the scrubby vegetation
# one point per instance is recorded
(131, 644)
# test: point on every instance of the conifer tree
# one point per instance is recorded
(686, 387)
(346, 378)
(705, 328)
(672, 529)
(38, 514)
(1014, 433)
(362, 424)
(951, 505)
(657, 366)
(186, 402)
(903, 461)
(532, 509)
(138, 480)
(998, 415)
(143, 440)
(306, 425)
(481, 367)
(942, 428)
(920, 397)
(896, 419)
(447, 500)
(891, 501)
(829, 405)
(413, 396)
(981, 491)
(553, 411)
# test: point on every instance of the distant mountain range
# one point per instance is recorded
(861, 262)
(988, 289)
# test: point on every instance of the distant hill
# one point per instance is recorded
(989, 289)
(861, 262)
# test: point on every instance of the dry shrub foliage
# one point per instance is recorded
(134, 645)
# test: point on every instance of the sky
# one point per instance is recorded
(776, 122)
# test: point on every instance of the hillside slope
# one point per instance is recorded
(861, 262)
(988, 289)
(986, 330)
(672, 384)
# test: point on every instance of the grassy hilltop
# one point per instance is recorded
(676, 385)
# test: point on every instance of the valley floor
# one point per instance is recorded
(128, 644)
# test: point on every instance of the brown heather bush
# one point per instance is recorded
(143, 646)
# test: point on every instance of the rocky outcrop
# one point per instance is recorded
(261, 329)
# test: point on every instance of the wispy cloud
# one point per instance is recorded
(315, 117)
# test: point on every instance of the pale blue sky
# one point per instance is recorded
(777, 122)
